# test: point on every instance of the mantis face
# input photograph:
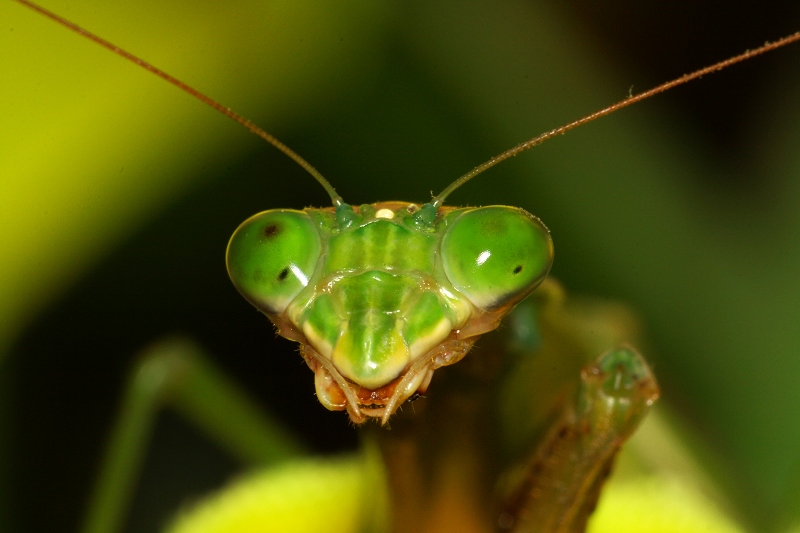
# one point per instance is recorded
(380, 296)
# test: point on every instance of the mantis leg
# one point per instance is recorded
(175, 373)
(562, 482)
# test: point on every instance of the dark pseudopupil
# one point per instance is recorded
(271, 230)
(518, 269)
(283, 273)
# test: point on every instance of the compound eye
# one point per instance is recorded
(271, 256)
(496, 255)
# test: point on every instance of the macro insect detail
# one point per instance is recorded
(382, 295)
(520, 435)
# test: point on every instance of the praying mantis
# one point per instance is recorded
(370, 191)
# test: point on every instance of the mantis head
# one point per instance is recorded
(383, 296)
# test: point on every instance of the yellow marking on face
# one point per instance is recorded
(424, 344)
(319, 343)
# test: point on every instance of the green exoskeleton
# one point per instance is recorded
(519, 435)
(382, 295)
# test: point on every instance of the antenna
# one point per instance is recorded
(335, 198)
(438, 200)
(766, 47)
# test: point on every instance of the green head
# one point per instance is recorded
(381, 295)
